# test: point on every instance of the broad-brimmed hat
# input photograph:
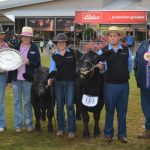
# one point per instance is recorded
(27, 31)
(60, 37)
(114, 29)
(1, 29)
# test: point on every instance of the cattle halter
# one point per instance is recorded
(85, 71)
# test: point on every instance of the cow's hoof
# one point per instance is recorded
(97, 132)
(96, 135)
(50, 131)
(43, 118)
(50, 128)
(37, 128)
(86, 137)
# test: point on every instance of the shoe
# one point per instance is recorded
(123, 140)
(144, 135)
(108, 139)
(30, 129)
(71, 135)
(59, 133)
(1, 129)
(18, 130)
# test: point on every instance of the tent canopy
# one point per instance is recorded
(6, 19)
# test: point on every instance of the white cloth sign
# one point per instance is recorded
(89, 101)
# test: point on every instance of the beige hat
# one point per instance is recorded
(27, 31)
(114, 29)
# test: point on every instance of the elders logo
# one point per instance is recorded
(91, 17)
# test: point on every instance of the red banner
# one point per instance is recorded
(111, 17)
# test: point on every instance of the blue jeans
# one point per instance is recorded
(65, 94)
(22, 89)
(145, 102)
(116, 97)
(3, 78)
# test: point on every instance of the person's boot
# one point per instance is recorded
(145, 134)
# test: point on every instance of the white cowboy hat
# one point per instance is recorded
(114, 29)
(27, 31)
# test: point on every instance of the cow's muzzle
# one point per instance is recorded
(40, 88)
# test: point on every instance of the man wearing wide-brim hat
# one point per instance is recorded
(3, 78)
(114, 29)
(116, 90)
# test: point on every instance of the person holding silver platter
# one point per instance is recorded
(22, 88)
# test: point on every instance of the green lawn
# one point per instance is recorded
(9, 140)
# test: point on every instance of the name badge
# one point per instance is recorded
(32, 52)
(69, 57)
(89, 101)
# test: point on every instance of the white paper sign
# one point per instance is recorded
(89, 101)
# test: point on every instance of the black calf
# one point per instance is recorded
(92, 85)
(42, 97)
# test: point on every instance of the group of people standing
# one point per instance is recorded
(116, 67)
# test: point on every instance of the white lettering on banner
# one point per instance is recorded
(128, 17)
(137, 17)
(90, 17)
(89, 101)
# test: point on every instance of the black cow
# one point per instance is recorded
(91, 83)
(42, 97)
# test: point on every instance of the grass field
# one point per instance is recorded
(9, 140)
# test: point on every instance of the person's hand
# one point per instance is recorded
(9, 85)
(148, 63)
(100, 65)
(49, 82)
(26, 61)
